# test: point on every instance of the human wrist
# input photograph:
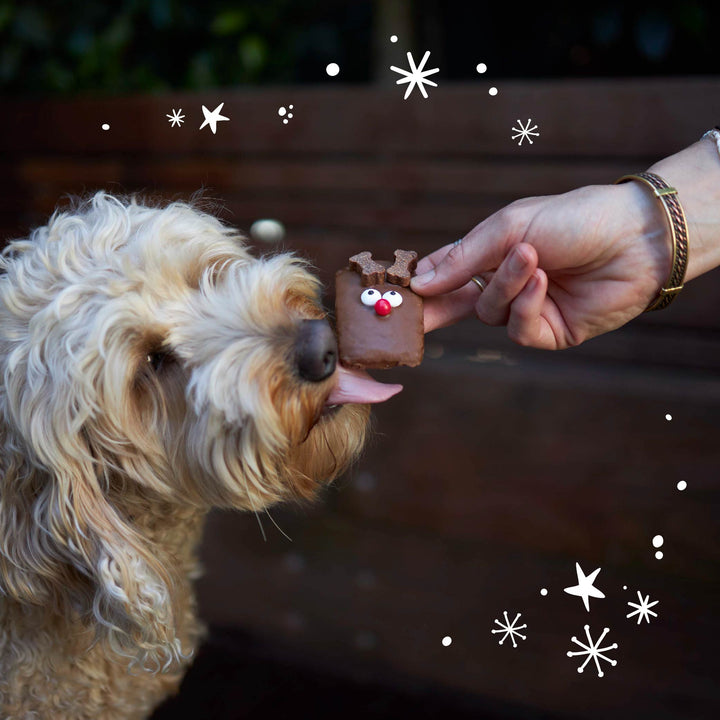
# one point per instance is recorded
(645, 236)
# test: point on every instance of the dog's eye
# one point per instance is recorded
(156, 360)
(370, 297)
(393, 297)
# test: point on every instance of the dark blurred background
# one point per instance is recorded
(69, 47)
(497, 468)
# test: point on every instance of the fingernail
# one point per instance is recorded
(533, 283)
(519, 261)
(424, 279)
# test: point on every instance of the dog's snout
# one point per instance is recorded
(315, 350)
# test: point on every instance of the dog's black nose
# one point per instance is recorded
(315, 350)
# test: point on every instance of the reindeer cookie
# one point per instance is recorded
(379, 318)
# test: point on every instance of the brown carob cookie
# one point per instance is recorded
(379, 318)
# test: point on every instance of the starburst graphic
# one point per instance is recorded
(510, 629)
(176, 119)
(593, 651)
(525, 132)
(585, 588)
(213, 118)
(416, 76)
(643, 610)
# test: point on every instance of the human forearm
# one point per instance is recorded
(695, 173)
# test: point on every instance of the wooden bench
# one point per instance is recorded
(498, 468)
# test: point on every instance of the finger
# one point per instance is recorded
(493, 306)
(431, 261)
(482, 250)
(526, 324)
(444, 310)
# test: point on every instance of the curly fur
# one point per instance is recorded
(109, 463)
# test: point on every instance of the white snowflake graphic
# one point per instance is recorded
(593, 651)
(510, 629)
(176, 119)
(643, 610)
(416, 76)
(525, 132)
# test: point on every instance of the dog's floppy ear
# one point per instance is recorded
(64, 547)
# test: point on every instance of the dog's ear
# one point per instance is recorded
(65, 548)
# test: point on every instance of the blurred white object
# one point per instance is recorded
(267, 231)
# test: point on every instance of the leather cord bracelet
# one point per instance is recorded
(679, 233)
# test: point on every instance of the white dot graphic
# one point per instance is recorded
(332, 69)
(624, 587)
(543, 592)
(481, 68)
(668, 417)
(105, 126)
(285, 111)
(393, 38)
(493, 91)
(446, 641)
(682, 485)
(657, 542)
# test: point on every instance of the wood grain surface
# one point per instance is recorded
(497, 468)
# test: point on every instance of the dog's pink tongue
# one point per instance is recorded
(356, 386)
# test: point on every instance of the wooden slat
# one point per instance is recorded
(316, 211)
(402, 178)
(604, 118)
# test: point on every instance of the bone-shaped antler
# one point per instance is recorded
(400, 271)
(371, 272)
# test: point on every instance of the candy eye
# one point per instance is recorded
(393, 297)
(370, 297)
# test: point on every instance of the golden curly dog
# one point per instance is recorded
(150, 369)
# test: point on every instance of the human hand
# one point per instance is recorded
(559, 269)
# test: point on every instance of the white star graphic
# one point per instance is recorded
(212, 118)
(416, 76)
(585, 588)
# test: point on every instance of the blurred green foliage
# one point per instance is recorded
(75, 46)
(70, 47)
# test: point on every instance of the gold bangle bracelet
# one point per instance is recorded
(678, 232)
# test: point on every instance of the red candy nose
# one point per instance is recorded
(383, 307)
